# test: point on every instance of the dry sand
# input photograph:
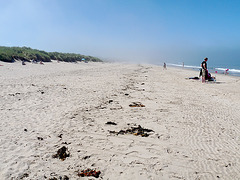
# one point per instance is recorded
(45, 107)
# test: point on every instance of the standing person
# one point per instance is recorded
(204, 69)
(164, 66)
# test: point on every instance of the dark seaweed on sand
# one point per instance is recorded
(62, 153)
(89, 172)
(138, 131)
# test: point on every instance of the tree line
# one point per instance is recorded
(12, 54)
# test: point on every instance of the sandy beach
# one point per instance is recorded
(192, 129)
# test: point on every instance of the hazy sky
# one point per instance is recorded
(150, 31)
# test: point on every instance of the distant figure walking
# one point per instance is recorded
(164, 66)
(23, 62)
(226, 71)
(204, 70)
(34, 61)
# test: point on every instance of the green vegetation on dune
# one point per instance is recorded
(10, 54)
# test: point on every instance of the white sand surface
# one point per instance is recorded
(196, 127)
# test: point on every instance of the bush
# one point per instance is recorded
(8, 54)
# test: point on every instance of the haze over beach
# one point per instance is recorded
(152, 31)
(66, 114)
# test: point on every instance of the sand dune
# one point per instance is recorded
(43, 108)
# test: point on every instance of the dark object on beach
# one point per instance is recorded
(25, 130)
(65, 143)
(64, 177)
(60, 178)
(86, 157)
(40, 138)
(62, 153)
(136, 104)
(60, 136)
(25, 175)
(110, 101)
(14, 94)
(111, 123)
(194, 78)
(208, 75)
(137, 131)
(126, 94)
(89, 172)
(54, 178)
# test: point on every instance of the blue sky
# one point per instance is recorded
(151, 31)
